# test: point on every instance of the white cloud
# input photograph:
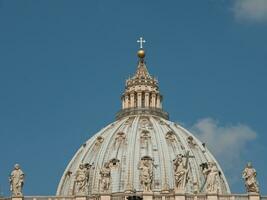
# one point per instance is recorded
(226, 143)
(250, 10)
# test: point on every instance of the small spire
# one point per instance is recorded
(142, 71)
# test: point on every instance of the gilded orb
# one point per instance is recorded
(141, 53)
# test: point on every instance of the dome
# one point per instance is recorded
(142, 151)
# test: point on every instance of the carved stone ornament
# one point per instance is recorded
(98, 142)
(145, 124)
(16, 181)
(170, 136)
(145, 135)
(249, 176)
(120, 138)
(191, 141)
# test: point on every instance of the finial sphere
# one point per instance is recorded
(141, 53)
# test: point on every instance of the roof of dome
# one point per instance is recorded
(132, 138)
(142, 138)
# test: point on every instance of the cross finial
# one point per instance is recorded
(141, 41)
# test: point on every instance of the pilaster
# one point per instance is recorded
(139, 99)
(146, 99)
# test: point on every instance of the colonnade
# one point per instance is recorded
(141, 100)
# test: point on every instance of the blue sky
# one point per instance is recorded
(63, 65)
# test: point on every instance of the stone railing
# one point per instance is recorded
(123, 196)
(139, 111)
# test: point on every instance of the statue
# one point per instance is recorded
(146, 174)
(249, 175)
(180, 172)
(212, 177)
(105, 180)
(81, 180)
(16, 181)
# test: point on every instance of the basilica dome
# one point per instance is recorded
(142, 150)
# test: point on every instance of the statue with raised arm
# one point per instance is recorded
(81, 180)
(16, 181)
(212, 177)
(249, 175)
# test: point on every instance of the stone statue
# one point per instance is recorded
(146, 174)
(81, 180)
(212, 177)
(180, 172)
(249, 175)
(16, 180)
(105, 180)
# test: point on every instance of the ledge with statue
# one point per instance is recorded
(16, 180)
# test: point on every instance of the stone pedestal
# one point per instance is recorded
(179, 196)
(80, 197)
(253, 196)
(17, 198)
(105, 197)
(148, 196)
(212, 196)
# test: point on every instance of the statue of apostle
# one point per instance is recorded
(212, 177)
(105, 180)
(249, 175)
(16, 181)
(81, 180)
(180, 172)
(146, 174)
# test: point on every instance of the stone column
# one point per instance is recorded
(131, 100)
(146, 99)
(126, 101)
(139, 99)
(158, 101)
(123, 102)
(153, 100)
